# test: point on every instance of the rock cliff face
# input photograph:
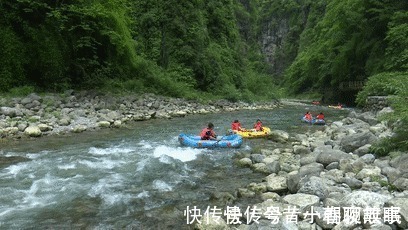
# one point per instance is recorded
(280, 29)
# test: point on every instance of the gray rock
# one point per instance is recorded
(244, 162)
(331, 156)
(292, 181)
(273, 167)
(276, 183)
(7, 111)
(368, 158)
(33, 131)
(364, 199)
(353, 183)
(315, 186)
(401, 203)
(257, 158)
(401, 183)
(312, 169)
(352, 142)
(362, 150)
(400, 162)
(279, 136)
(301, 150)
(302, 201)
(391, 173)
(333, 165)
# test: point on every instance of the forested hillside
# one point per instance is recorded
(235, 49)
(177, 48)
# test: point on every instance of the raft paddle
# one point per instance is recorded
(218, 141)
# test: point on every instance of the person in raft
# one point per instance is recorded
(320, 116)
(308, 116)
(208, 133)
(236, 126)
(258, 125)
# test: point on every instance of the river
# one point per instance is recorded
(137, 177)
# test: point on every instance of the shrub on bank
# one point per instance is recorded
(394, 85)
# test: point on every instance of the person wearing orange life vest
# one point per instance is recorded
(308, 116)
(258, 125)
(208, 133)
(236, 126)
(320, 116)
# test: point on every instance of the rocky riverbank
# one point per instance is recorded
(331, 171)
(74, 112)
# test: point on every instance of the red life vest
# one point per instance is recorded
(308, 116)
(207, 133)
(258, 126)
(236, 126)
(320, 116)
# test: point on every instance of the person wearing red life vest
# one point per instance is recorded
(320, 116)
(236, 126)
(258, 125)
(208, 133)
(308, 116)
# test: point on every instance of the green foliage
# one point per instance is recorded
(348, 43)
(394, 85)
(383, 84)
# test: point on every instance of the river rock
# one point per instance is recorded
(44, 127)
(364, 199)
(33, 131)
(352, 142)
(315, 186)
(369, 171)
(301, 150)
(79, 128)
(302, 201)
(391, 173)
(400, 162)
(331, 156)
(117, 124)
(245, 162)
(276, 183)
(104, 124)
(362, 150)
(279, 136)
(257, 158)
(401, 203)
(7, 111)
(401, 183)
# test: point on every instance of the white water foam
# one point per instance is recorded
(161, 186)
(102, 163)
(143, 194)
(145, 145)
(180, 153)
(67, 166)
(109, 151)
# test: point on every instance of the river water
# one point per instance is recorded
(137, 177)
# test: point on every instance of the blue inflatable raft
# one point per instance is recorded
(314, 121)
(228, 141)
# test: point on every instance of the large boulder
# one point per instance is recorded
(352, 142)
(279, 136)
(401, 203)
(364, 199)
(331, 156)
(33, 131)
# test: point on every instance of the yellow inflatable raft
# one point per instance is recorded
(251, 133)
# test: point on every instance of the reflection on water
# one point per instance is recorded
(137, 176)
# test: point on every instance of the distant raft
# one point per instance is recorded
(228, 141)
(335, 106)
(252, 133)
